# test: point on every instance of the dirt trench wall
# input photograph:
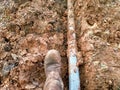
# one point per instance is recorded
(98, 36)
(28, 29)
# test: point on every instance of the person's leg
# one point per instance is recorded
(52, 65)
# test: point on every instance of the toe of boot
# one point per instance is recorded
(52, 61)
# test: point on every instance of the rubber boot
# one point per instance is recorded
(52, 65)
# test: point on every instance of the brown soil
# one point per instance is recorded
(98, 31)
(29, 28)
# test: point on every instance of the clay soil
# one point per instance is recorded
(29, 28)
(98, 36)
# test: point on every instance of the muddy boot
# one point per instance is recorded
(52, 65)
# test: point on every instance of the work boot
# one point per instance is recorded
(52, 65)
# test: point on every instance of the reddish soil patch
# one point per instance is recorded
(98, 28)
(28, 29)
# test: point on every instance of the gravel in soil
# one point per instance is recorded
(98, 28)
(28, 29)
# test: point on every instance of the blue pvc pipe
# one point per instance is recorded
(74, 80)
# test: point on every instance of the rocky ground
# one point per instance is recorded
(29, 28)
(98, 34)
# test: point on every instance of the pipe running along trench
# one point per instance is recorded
(74, 77)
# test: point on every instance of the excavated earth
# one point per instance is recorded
(29, 28)
(98, 36)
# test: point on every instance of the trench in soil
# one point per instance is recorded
(32, 27)
(35, 25)
(38, 29)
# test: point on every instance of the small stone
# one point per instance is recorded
(108, 44)
(23, 52)
(30, 86)
(14, 56)
(104, 67)
(35, 83)
(6, 68)
(96, 63)
(8, 47)
(110, 82)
